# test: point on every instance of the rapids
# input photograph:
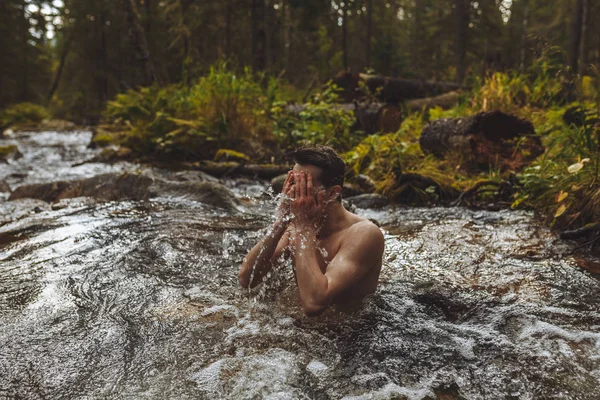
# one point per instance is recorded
(140, 299)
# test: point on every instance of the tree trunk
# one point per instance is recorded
(61, 65)
(369, 31)
(259, 36)
(462, 24)
(345, 35)
(287, 37)
(103, 64)
(575, 39)
(228, 11)
(584, 37)
(148, 11)
(24, 95)
(524, 37)
(138, 38)
(418, 38)
(186, 62)
(487, 139)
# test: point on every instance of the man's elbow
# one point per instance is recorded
(244, 279)
(311, 309)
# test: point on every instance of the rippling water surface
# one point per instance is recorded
(140, 299)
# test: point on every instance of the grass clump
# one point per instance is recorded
(21, 114)
(221, 110)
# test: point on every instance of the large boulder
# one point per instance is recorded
(111, 187)
(107, 187)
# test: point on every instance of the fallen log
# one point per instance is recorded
(232, 168)
(487, 139)
(388, 89)
(444, 101)
(581, 232)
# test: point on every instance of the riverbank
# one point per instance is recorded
(229, 125)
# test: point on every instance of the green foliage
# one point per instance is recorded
(563, 184)
(22, 113)
(322, 121)
(221, 110)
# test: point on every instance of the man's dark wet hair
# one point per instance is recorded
(324, 157)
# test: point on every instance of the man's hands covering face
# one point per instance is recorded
(306, 208)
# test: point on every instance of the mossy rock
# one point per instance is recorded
(231, 155)
(10, 152)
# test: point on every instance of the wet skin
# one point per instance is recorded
(336, 254)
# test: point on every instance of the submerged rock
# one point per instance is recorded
(10, 152)
(4, 188)
(368, 200)
(277, 183)
(111, 187)
(107, 187)
(211, 193)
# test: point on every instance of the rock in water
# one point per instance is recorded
(107, 187)
(211, 193)
(4, 188)
(369, 200)
(277, 183)
(111, 187)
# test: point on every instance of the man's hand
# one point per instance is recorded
(283, 211)
(306, 208)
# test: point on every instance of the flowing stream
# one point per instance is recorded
(140, 300)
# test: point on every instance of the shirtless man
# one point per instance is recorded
(336, 255)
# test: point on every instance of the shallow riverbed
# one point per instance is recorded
(139, 299)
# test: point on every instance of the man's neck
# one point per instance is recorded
(335, 220)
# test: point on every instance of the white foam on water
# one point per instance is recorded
(546, 330)
(271, 375)
(465, 347)
(317, 368)
(225, 309)
(393, 391)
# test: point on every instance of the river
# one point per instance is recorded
(140, 299)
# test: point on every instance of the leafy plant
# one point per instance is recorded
(22, 113)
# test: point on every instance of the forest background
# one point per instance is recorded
(193, 79)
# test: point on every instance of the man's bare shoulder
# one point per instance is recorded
(365, 233)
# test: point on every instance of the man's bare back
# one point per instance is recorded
(336, 254)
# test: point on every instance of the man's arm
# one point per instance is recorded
(359, 253)
(264, 255)
(261, 259)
